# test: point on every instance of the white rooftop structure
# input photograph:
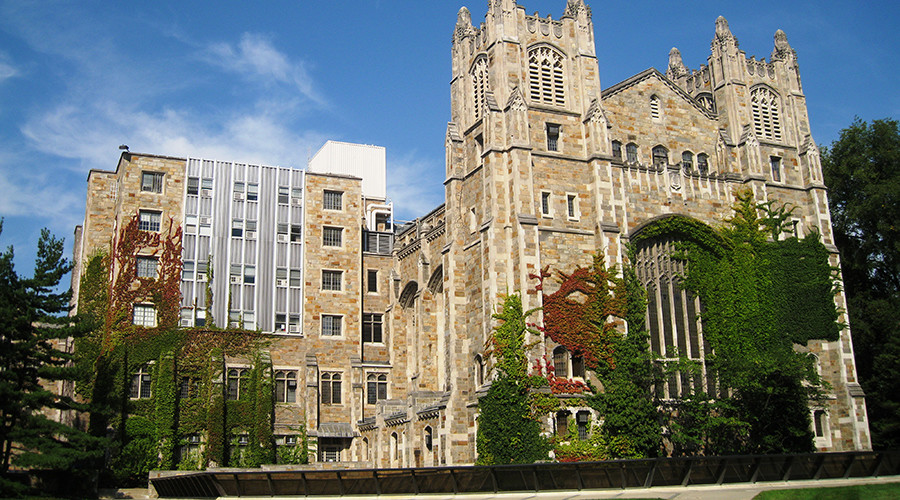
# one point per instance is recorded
(358, 160)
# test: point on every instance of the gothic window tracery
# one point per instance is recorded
(672, 317)
(479, 85)
(545, 76)
(764, 105)
(707, 102)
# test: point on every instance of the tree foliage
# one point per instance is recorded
(32, 318)
(862, 172)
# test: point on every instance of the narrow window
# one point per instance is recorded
(295, 279)
(140, 383)
(151, 182)
(237, 228)
(703, 163)
(631, 152)
(429, 438)
(479, 85)
(376, 387)
(819, 422)
(286, 386)
(280, 322)
(660, 156)
(553, 137)
(193, 185)
(562, 423)
(252, 192)
(249, 275)
(236, 383)
(331, 236)
(238, 190)
(149, 220)
(561, 362)
(687, 161)
(570, 205)
(775, 163)
(583, 419)
(479, 370)
(331, 325)
(331, 280)
(187, 271)
(332, 200)
(372, 328)
(372, 281)
(295, 233)
(654, 107)
(146, 267)
(144, 315)
(545, 203)
(764, 105)
(577, 366)
(284, 195)
(617, 150)
(294, 323)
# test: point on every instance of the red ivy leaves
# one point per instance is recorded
(579, 315)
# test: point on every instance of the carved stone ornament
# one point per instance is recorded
(573, 7)
(464, 23)
(675, 180)
(516, 102)
(676, 65)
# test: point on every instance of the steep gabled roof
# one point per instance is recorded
(647, 74)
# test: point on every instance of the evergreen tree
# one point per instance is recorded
(862, 172)
(32, 317)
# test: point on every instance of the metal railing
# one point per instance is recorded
(612, 474)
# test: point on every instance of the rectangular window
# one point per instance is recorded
(775, 162)
(146, 267)
(140, 383)
(552, 137)
(151, 182)
(236, 382)
(295, 280)
(331, 280)
(239, 188)
(187, 270)
(331, 325)
(237, 228)
(190, 388)
(372, 281)
(149, 220)
(193, 185)
(284, 196)
(249, 275)
(296, 233)
(331, 388)
(206, 186)
(252, 192)
(331, 236)
(296, 194)
(372, 328)
(281, 322)
(376, 387)
(570, 205)
(144, 315)
(545, 203)
(617, 150)
(333, 200)
(294, 323)
(286, 386)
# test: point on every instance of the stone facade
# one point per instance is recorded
(543, 168)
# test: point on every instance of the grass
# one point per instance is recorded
(887, 491)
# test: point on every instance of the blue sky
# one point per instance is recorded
(270, 81)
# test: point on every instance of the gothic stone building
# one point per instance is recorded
(543, 168)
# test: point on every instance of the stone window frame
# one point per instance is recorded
(285, 392)
(703, 163)
(687, 161)
(655, 108)
(376, 387)
(660, 155)
(332, 380)
(546, 75)
(150, 220)
(631, 153)
(775, 168)
(332, 280)
(237, 380)
(374, 323)
(332, 199)
(616, 149)
(573, 207)
(333, 327)
(546, 204)
(144, 314)
(146, 266)
(332, 236)
(554, 136)
(371, 280)
(152, 182)
(765, 110)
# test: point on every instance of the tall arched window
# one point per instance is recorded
(703, 163)
(479, 370)
(545, 76)
(764, 105)
(687, 161)
(617, 149)
(479, 84)
(672, 315)
(660, 156)
(376, 387)
(429, 438)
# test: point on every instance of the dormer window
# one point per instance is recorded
(545, 76)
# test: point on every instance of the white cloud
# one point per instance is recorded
(410, 185)
(7, 71)
(41, 194)
(256, 58)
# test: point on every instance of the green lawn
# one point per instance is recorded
(888, 491)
